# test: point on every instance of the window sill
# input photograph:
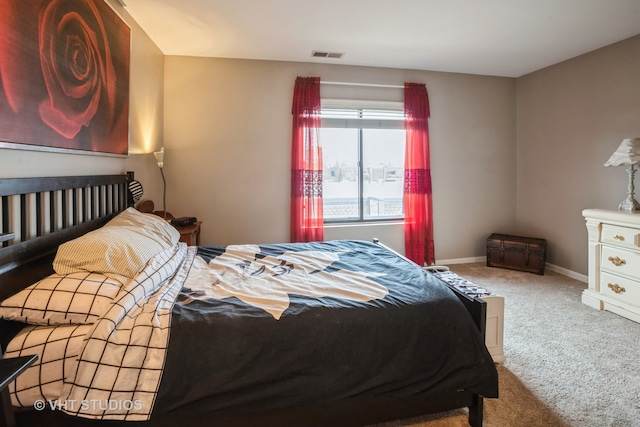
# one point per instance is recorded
(363, 223)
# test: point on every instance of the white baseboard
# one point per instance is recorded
(461, 260)
(568, 273)
(552, 267)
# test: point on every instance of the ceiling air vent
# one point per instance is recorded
(318, 54)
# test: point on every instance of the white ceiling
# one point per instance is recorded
(490, 37)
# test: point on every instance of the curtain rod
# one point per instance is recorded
(362, 84)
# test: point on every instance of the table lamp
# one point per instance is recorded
(628, 153)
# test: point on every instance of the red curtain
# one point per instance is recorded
(418, 210)
(307, 222)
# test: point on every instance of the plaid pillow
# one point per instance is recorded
(62, 299)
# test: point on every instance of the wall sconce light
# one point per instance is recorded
(159, 155)
(628, 153)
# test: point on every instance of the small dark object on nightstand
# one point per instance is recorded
(184, 220)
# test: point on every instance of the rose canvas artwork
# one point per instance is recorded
(64, 76)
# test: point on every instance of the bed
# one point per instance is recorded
(347, 332)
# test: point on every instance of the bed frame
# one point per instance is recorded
(39, 214)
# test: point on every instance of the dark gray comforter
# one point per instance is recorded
(225, 354)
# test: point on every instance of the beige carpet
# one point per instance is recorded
(566, 364)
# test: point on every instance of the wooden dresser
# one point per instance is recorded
(614, 262)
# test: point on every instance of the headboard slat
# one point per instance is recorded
(101, 207)
(75, 207)
(23, 217)
(87, 196)
(65, 208)
(39, 214)
(5, 220)
(52, 211)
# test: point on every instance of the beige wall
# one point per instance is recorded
(145, 126)
(570, 118)
(228, 137)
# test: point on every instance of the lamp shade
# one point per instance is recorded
(159, 155)
(135, 188)
(628, 153)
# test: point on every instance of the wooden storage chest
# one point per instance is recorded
(516, 252)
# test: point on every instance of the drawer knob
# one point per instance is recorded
(617, 261)
(616, 288)
(618, 237)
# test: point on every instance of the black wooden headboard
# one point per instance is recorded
(39, 214)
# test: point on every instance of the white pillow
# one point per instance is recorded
(151, 225)
(120, 249)
(62, 299)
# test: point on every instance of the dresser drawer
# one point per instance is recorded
(621, 289)
(622, 236)
(621, 261)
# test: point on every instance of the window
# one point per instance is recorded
(363, 162)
